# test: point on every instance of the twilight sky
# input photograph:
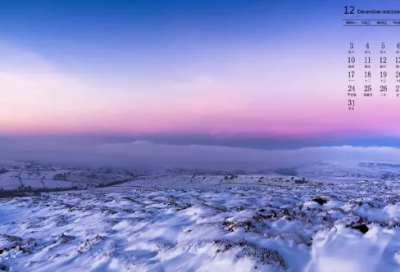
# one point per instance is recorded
(256, 73)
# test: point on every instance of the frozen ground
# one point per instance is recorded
(272, 227)
(15, 175)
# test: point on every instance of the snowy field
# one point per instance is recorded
(276, 227)
(14, 175)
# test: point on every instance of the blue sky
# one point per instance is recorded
(260, 74)
(70, 29)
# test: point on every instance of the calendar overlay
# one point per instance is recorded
(371, 22)
(371, 72)
(373, 66)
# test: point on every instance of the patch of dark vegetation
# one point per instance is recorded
(252, 250)
(362, 228)
(131, 200)
(61, 176)
(16, 244)
(389, 175)
(61, 220)
(12, 194)
(217, 208)
(230, 177)
(287, 171)
(11, 238)
(66, 238)
(25, 191)
(238, 208)
(3, 171)
(248, 224)
(166, 245)
(113, 183)
(300, 181)
(184, 207)
(389, 223)
(84, 246)
(108, 210)
(230, 225)
(320, 201)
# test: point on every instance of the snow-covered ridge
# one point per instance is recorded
(14, 175)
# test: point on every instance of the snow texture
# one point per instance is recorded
(280, 226)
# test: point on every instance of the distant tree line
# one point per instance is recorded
(117, 182)
(24, 191)
(60, 176)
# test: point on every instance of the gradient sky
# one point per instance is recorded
(260, 73)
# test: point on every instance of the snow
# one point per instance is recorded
(201, 225)
(345, 217)
(39, 176)
(374, 251)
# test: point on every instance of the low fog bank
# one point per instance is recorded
(145, 154)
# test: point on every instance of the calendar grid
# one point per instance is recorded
(373, 71)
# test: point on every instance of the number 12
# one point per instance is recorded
(349, 10)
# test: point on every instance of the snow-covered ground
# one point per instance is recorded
(279, 226)
(15, 175)
(350, 171)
